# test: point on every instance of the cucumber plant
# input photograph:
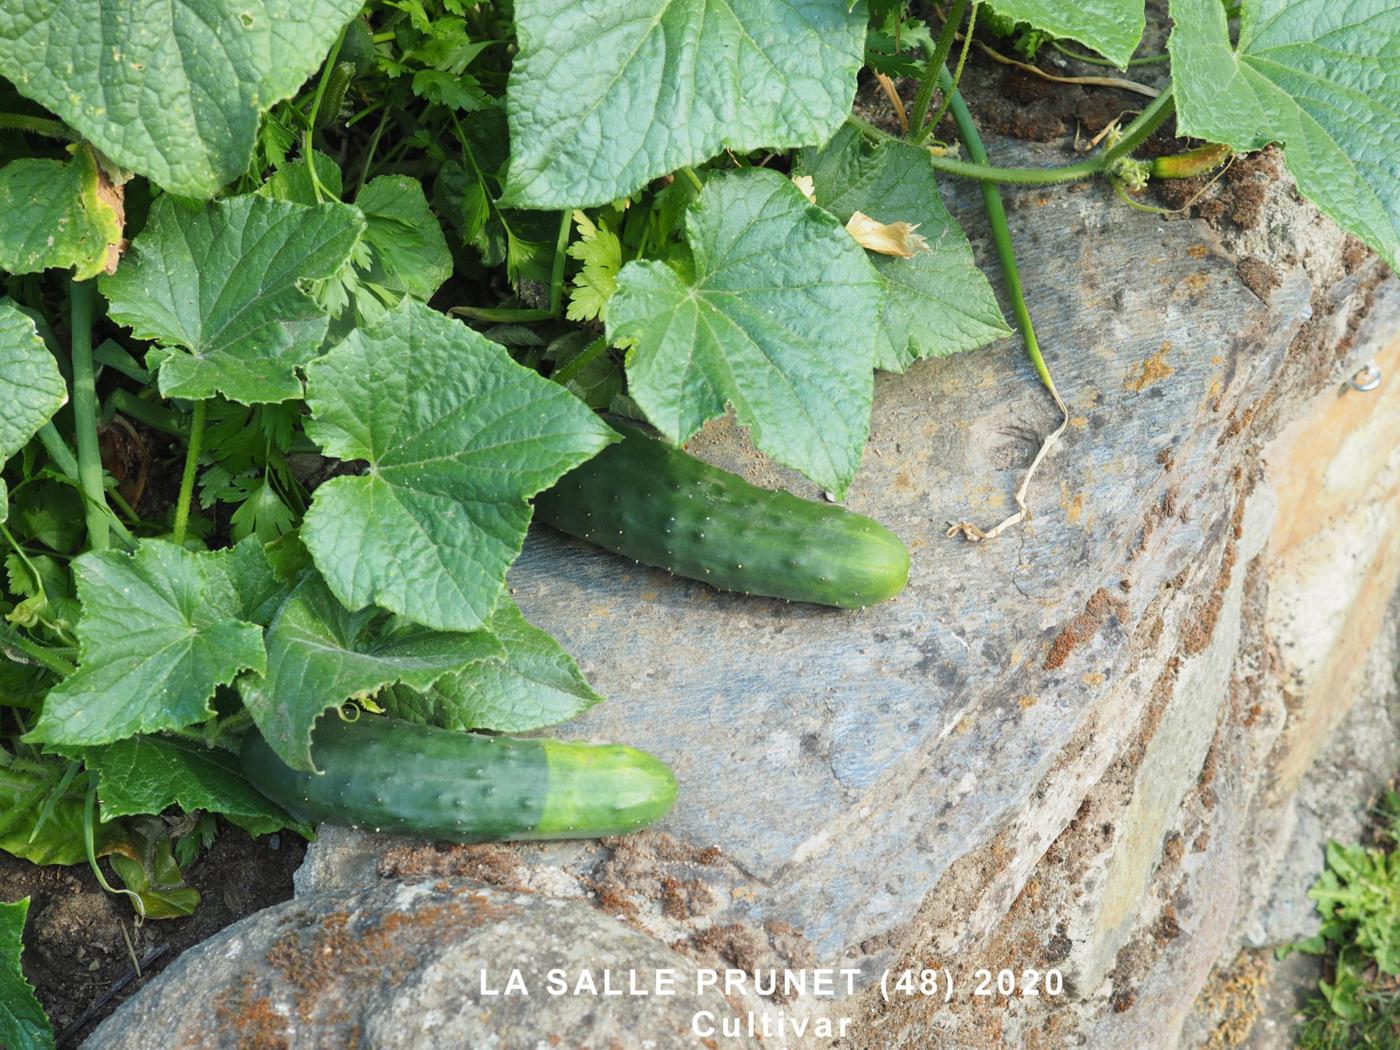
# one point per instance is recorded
(284, 359)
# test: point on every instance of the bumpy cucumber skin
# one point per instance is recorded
(390, 775)
(660, 506)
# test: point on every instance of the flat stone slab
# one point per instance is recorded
(843, 760)
(418, 966)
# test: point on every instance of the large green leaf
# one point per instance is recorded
(604, 98)
(456, 436)
(172, 89)
(777, 316)
(23, 1025)
(31, 388)
(221, 281)
(1111, 27)
(937, 302)
(53, 213)
(1322, 78)
(535, 684)
(319, 655)
(161, 630)
(148, 774)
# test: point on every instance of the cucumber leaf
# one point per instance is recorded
(776, 315)
(603, 98)
(319, 655)
(55, 214)
(172, 89)
(23, 1025)
(221, 281)
(161, 629)
(1319, 77)
(536, 684)
(148, 774)
(1113, 28)
(33, 387)
(937, 302)
(457, 437)
(261, 589)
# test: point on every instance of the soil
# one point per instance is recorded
(80, 941)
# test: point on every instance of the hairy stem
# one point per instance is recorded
(52, 129)
(936, 62)
(957, 73)
(9, 636)
(96, 510)
(182, 507)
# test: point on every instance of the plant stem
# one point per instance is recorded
(89, 844)
(689, 173)
(586, 357)
(502, 314)
(1006, 254)
(85, 416)
(182, 507)
(327, 69)
(935, 63)
(957, 73)
(1133, 136)
(52, 129)
(1001, 230)
(215, 730)
(155, 416)
(1095, 60)
(370, 150)
(556, 277)
(67, 464)
(54, 662)
(58, 450)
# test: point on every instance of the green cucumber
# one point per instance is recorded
(389, 775)
(660, 506)
(357, 46)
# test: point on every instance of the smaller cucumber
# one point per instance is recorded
(389, 775)
(357, 46)
(655, 503)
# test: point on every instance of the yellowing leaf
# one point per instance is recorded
(59, 214)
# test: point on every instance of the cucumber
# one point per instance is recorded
(389, 775)
(660, 506)
(357, 46)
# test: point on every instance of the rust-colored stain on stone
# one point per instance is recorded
(1083, 627)
(321, 963)
(258, 1026)
(1151, 371)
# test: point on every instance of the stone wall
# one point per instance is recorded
(1109, 743)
